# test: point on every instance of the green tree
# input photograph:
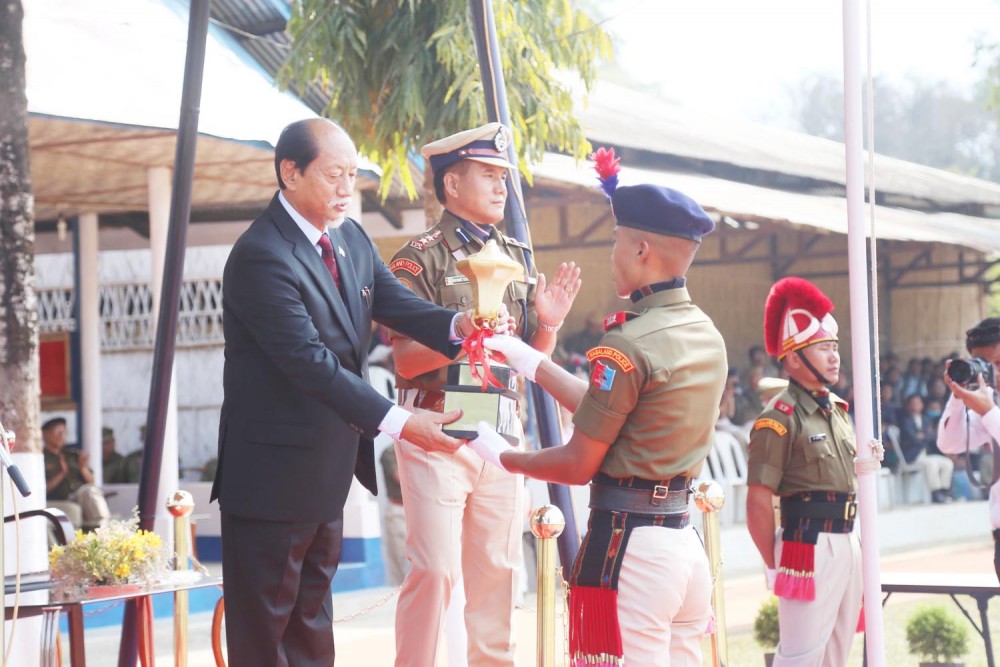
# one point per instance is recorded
(19, 388)
(400, 73)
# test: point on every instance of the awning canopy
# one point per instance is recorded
(104, 83)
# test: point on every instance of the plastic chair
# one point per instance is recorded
(910, 477)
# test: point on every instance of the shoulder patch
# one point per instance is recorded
(772, 424)
(602, 376)
(406, 282)
(408, 265)
(610, 353)
(786, 408)
(425, 240)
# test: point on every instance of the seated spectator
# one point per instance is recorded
(582, 341)
(112, 463)
(912, 381)
(760, 359)
(69, 481)
(917, 435)
(890, 404)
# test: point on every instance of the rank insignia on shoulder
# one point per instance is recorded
(602, 376)
(425, 240)
(781, 406)
(408, 265)
(617, 319)
(610, 353)
(772, 424)
(819, 437)
(510, 240)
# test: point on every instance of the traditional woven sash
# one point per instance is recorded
(803, 517)
(594, 633)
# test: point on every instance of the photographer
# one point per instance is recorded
(971, 418)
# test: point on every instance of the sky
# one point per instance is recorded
(743, 56)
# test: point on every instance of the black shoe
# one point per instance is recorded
(936, 497)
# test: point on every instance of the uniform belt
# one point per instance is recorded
(659, 500)
(795, 508)
(996, 534)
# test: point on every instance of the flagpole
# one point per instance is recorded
(546, 410)
(861, 342)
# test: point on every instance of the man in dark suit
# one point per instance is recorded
(300, 290)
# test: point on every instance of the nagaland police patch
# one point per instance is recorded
(771, 424)
(602, 376)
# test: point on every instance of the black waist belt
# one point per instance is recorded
(659, 500)
(821, 505)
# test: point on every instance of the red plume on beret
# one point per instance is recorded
(607, 167)
(796, 314)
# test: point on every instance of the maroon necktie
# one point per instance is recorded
(329, 259)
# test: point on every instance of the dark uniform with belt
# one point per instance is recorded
(802, 449)
(458, 509)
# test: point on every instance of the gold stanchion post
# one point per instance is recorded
(547, 524)
(180, 504)
(709, 498)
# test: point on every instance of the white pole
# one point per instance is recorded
(90, 343)
(860, 334)
(159, 181)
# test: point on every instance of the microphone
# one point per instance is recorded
(7, 440)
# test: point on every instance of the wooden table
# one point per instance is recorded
(980, 587)
(48, 604)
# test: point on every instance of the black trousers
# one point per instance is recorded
(996, 554)
(276, 576)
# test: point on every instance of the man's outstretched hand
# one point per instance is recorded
(423, 429)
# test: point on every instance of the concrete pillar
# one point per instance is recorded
(90, 343)
(160, 188)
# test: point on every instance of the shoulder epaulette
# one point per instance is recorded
(510, 240)
(619, 318)
(426, 240)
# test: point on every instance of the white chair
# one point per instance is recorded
(734, 471)
(911, 480)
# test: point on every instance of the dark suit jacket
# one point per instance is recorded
(913, 440)
(298, 416)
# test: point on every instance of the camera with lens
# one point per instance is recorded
(964, 371)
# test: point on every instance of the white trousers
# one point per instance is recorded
(664, 597)
(463, 521)
(818, 633)
(938, 470)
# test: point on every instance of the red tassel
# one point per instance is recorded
(595, 638)
(479, 358)
(796, 573)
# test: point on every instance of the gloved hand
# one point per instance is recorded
(519, 355)
(771, 574)
(490, 445)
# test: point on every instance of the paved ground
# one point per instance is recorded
(367, 640)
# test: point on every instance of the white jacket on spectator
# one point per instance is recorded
(961, 428)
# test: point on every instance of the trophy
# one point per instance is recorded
(492, 396)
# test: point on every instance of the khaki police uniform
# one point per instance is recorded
(462, 515)
(795, 447)
(656, 382)
(84, 504)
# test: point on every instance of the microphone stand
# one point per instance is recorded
(7, 440)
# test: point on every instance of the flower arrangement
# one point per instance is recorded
(118, 553)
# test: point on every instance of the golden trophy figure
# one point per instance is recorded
(484, 389)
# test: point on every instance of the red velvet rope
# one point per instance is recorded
(479, 358)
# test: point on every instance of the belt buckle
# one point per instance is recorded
(660, 492)
(850, 509)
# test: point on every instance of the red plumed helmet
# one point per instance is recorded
(797, 314)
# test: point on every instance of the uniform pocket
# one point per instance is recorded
(818, 450)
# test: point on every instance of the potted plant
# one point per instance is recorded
(765, 628)
(113, 558)
(936, 637)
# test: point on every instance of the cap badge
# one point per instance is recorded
(500, 140)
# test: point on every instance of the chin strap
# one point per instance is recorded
(812, 369)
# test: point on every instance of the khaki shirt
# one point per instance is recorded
(427, 266)
(655, 385)
(794, 447)
(73, 479)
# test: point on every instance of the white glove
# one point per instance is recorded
(490, 445)
(520, 356)
(772, 574)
